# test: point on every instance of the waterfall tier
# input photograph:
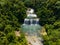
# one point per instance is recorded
(31, 21)
(31, 15)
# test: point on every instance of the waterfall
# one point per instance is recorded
(31, 29)
(31, 21)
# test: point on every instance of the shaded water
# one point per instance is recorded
(31, 29)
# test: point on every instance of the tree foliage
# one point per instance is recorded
(11, 15)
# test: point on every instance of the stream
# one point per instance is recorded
(33, 40)
(31, 28)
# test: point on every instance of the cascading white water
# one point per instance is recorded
(31, 28)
